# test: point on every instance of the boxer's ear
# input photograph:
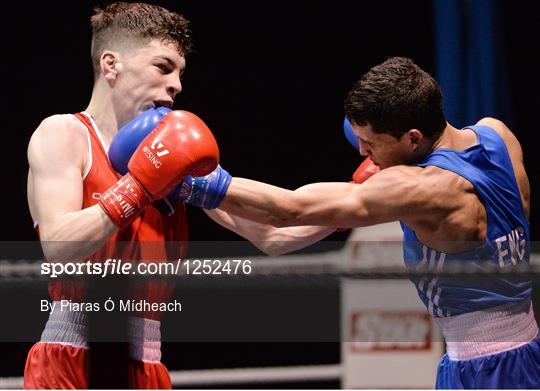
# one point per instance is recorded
(110, 65)
(414, 138)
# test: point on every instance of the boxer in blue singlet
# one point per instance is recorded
(462, 197)
(490, 330)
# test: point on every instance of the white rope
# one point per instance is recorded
(306, 265)
(11, 383)
(234, 376)
(256, 375)
(30, 267)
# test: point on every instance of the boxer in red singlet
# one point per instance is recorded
(135, 68)
(57, 363)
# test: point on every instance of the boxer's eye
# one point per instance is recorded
(163, 68)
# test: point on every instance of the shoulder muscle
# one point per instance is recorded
(58, 141)
(511, 141)
(56, 154)
(516, 155)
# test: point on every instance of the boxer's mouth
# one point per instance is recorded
(163, 103)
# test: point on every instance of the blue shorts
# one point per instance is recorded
(517, 368)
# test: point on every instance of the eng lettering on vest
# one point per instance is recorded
(511, 247)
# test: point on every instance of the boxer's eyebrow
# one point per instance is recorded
(363, 141)
(168, 60)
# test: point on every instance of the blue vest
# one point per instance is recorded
(487, 166)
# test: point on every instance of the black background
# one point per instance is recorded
(269, 78)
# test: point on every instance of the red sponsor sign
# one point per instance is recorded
(375, 330)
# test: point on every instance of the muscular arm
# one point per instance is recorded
(271, 240)
(395, 193)
(55, 192)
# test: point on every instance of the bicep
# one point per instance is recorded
(388, 196)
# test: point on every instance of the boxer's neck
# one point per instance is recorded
(457, 139)
(101, 108)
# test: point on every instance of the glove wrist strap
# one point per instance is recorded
(124, 201)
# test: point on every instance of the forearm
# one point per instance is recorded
(327, 204)
(76, 235)
(271, 240)
(256, 201)
(288, 239)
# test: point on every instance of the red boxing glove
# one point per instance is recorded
(180, 145)
(366, 169)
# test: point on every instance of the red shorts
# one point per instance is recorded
(56, 366)
(60, 360)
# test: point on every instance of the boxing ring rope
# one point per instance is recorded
(256, 375)
(304, 266)
(11, 383)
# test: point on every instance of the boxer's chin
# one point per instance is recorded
(146, 107)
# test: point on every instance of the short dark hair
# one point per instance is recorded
(397, 96)
(137, 21)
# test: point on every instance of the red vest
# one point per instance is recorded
(152, 237)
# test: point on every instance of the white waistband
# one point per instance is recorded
(490, 331)
(68, 327)
(144, 339)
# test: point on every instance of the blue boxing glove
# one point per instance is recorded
(130, 136)
(349, 134)
(205, 191)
